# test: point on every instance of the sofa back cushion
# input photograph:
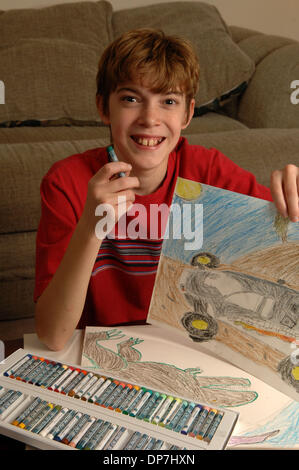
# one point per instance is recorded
(272, 97)
(49, 58)
(223, 66)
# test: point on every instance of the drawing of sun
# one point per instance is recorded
(295, 373)
(188, 190)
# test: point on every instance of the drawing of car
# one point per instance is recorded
(270, 308)
(264, 304)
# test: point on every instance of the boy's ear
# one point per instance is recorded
(104, 117)
(190, 115)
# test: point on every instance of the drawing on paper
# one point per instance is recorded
(111, 350)
(127, 362)
(241, 290)
(281, 430)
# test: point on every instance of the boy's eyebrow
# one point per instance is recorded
(132, 90)
(179, 93)
(135, 90)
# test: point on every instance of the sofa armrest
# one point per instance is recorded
(267, 102)
(238, 33)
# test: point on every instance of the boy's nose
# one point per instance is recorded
(149, 116)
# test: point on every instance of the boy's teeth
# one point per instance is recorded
(148, 142)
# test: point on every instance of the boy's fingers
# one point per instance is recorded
(277, 193)
(285, 191)
(111, 170)
(119, 183)
(116, 199)
(291, 191)
(122, 184)
(116, 176)
(109, 175)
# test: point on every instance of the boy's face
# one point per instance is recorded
(145, 126)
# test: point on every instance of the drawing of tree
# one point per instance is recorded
(281, 227)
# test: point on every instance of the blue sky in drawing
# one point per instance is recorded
(233, 225)
(287, 422)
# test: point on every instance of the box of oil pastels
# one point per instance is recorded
(52, 405)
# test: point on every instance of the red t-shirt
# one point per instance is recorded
(123, 275)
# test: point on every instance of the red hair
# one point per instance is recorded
(168, 63)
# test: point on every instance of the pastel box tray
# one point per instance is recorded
(168, 437)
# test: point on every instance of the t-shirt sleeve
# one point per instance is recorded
(57, 223)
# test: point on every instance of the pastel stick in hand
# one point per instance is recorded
(113, 158)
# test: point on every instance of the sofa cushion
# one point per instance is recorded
(258, 45)
(239, 33)
(223, 66)
(49, 58)
(268, 100)
(22, 169)
(16, 299)
(13, 268)
(17, 273)
(212, 122)
(25, 134)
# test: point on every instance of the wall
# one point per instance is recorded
(279, 17)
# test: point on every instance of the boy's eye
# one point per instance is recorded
(170, 101)
(130, 99)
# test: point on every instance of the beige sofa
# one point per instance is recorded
(48, 63)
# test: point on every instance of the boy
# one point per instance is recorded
(146, 87)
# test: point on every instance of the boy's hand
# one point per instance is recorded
(285, 191)
(107, 190)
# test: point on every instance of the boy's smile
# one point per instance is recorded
(145, 128)
(147, 140)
